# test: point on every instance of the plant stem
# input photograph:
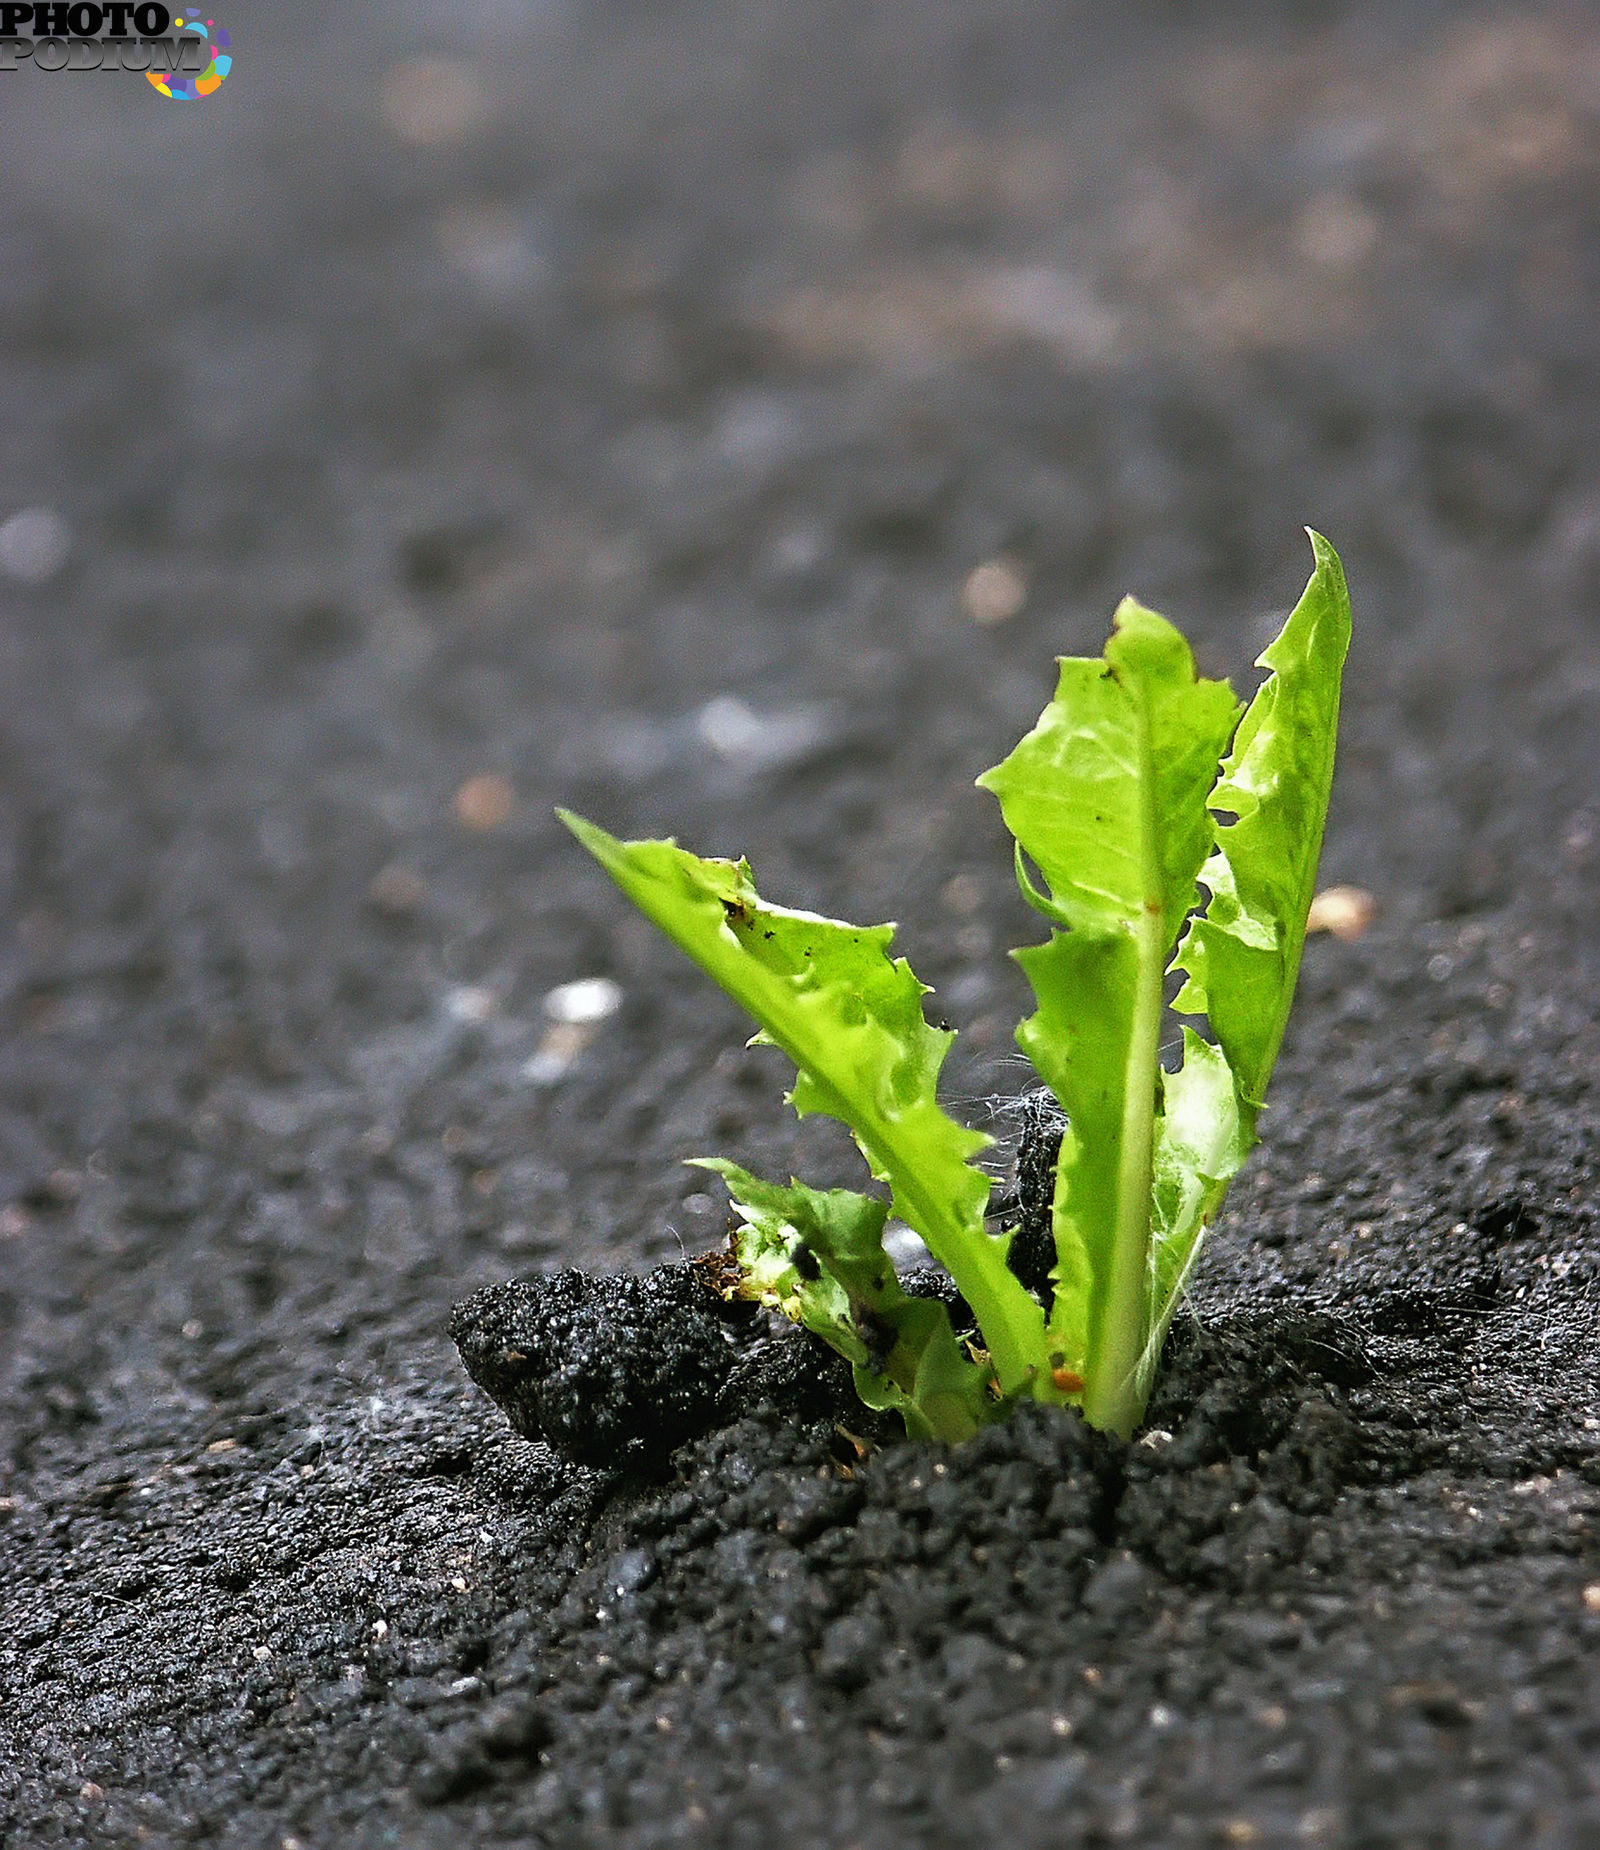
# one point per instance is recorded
(1112, 1400)
(1011, 1323)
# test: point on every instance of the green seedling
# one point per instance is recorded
(1141, 785)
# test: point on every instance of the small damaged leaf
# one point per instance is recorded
(902, 1349)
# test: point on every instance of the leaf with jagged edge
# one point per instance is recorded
(1241, 954)
(1102, 794)
(850, 1018)
(1107, 798)
(902, 1350)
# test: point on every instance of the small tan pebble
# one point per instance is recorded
(1335, 230)
(396, 890)
(13, 1222)
(90, 1791)
(261, 1653)
(433, 102)
(962, 893)
(218, 1446)
(994, 592)
(1240, 1831)
(1591, 1597)
(561, 1045)
(1346, 911)
(485, 801)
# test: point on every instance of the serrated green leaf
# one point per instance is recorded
(1241, 955)
(1107, 797)
(1102, 794)
(902, 1349)
(850, 1018)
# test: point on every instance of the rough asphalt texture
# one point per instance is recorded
(620, 1372)
(603, 1370)
(623, 434)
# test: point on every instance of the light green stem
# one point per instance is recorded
(1112, 1397)
(1011, 1323)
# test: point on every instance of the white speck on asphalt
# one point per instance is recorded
(904, 1247)
(467, 1002)
(589, 999)
(34, 545)
(762, 741)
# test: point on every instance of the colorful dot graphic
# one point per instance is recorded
(186, 86)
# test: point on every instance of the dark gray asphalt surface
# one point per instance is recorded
(471, 409)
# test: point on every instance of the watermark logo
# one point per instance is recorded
(184, 57)
(185, 86)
